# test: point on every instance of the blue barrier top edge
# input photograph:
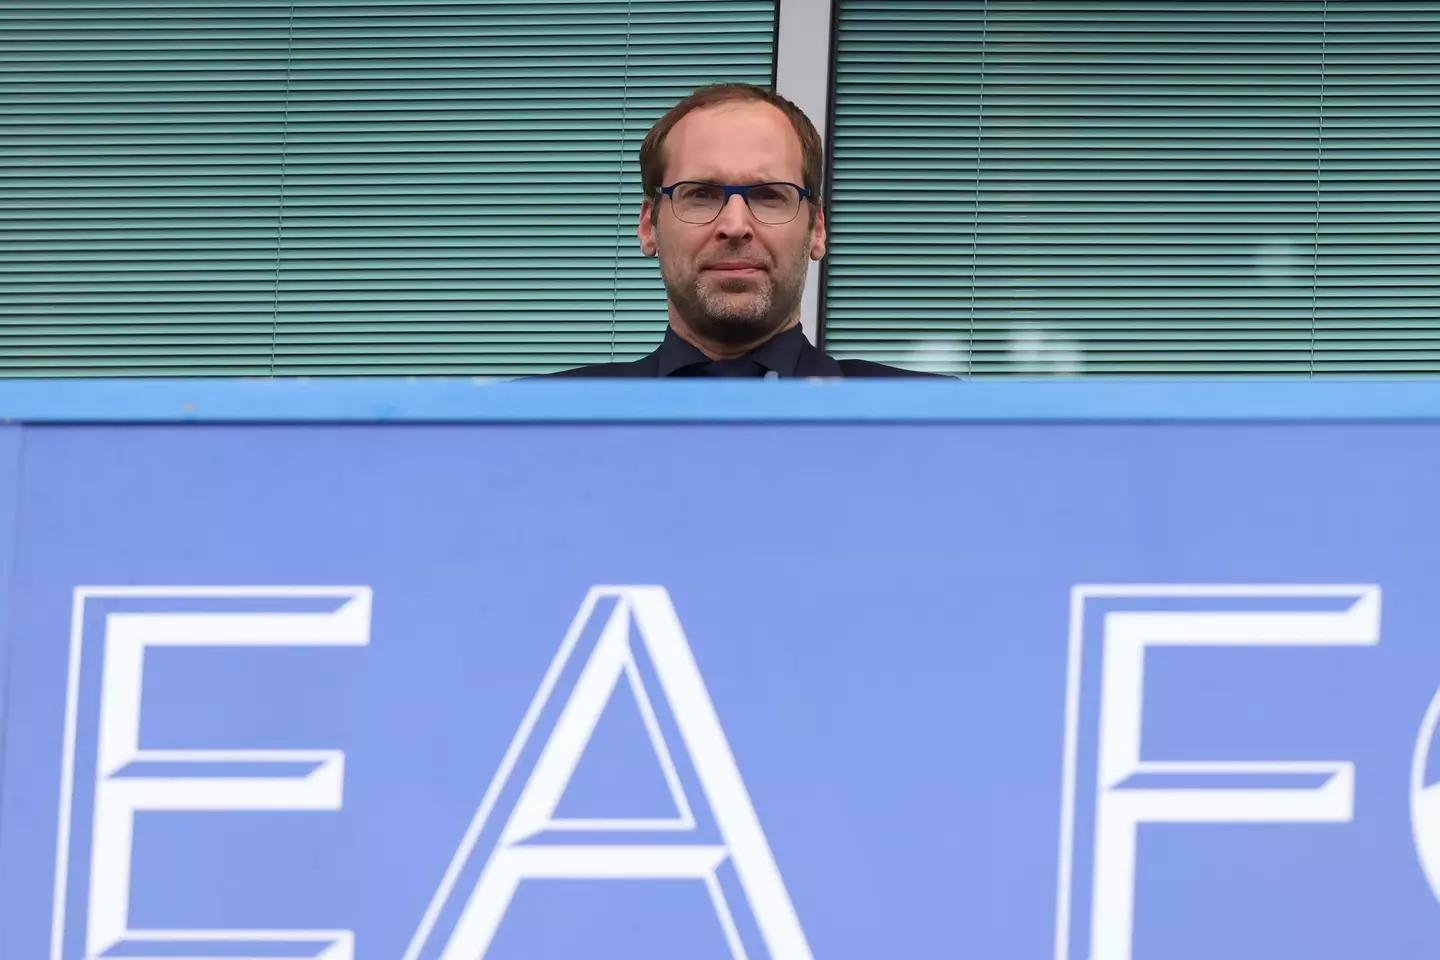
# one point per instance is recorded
(568, 400)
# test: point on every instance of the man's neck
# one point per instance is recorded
(725, 351)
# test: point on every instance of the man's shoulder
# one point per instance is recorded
(647, 366)
(870, 368)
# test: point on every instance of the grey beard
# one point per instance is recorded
(716, 317)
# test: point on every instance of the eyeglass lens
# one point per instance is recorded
(771, 203)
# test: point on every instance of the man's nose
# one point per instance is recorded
(734, 219)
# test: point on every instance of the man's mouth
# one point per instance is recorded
(734, 268)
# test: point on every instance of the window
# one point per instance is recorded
(1168, 188)
(250, 188)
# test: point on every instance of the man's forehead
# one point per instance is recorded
(732, 176)
(748, 142)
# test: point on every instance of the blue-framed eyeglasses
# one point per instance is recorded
(697, 202)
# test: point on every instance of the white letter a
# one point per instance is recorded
(511, 860)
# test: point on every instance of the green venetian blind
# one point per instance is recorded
(256, 188)
(1168, 188)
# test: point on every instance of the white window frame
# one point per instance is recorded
(802, 75)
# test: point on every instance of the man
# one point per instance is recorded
(732, 178)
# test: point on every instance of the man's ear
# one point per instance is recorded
(646, 229)
(818, 236)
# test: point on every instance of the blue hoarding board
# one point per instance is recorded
(9, 486)
(855, 689)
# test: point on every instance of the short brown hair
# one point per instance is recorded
(812, 150)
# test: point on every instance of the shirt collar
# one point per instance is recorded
(781, 353)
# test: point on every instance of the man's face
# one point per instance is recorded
(733, 281)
